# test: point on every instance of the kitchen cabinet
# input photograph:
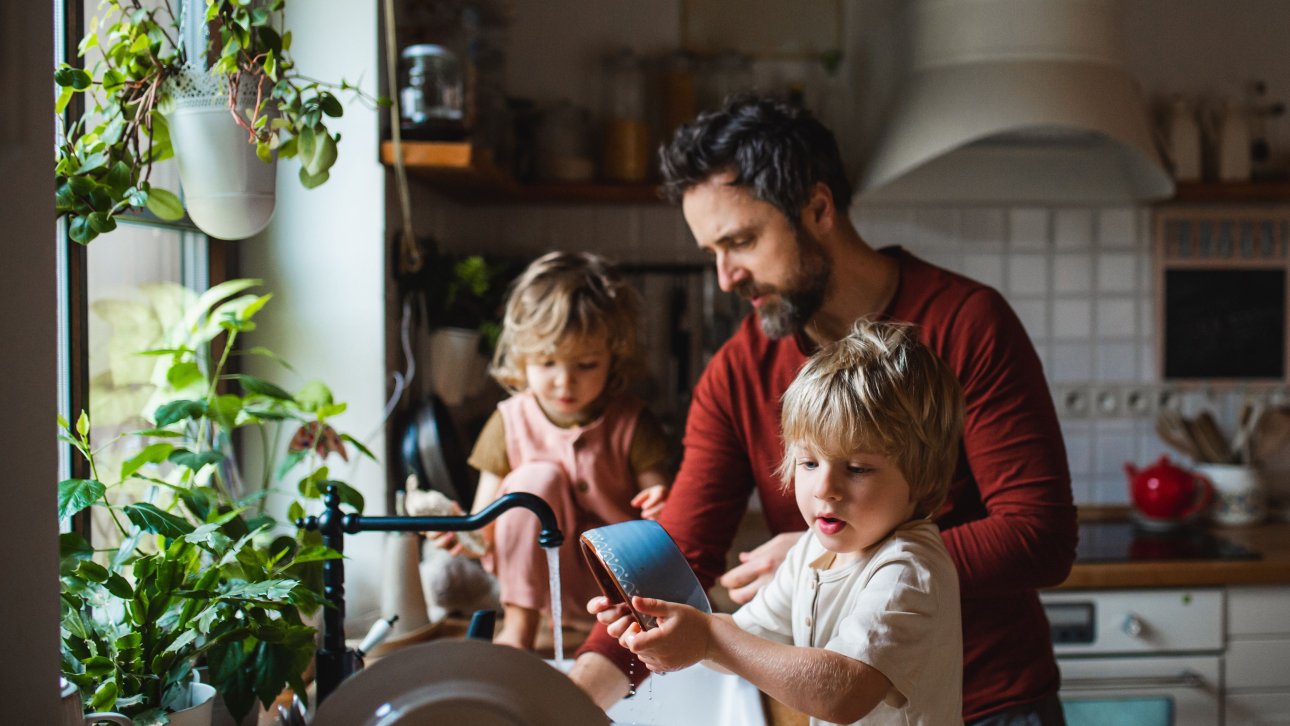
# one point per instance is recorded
(468, 174)
(1233, 192)
(1258, 648)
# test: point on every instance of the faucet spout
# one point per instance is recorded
(550, 536)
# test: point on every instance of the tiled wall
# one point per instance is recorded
(1080, 279)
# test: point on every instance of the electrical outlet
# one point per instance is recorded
(1168, 399)
(1106, 403)
(1138, 401)
(1073, 402)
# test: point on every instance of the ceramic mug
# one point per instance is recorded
(1239, 497)
(73, 711)
(639, 558)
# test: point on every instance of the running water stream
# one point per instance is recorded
(557, 616)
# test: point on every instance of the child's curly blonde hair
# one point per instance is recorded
(564, 294)
(878, 390)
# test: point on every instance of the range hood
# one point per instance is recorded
(1016, 101)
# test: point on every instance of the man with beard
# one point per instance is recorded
(763, 191)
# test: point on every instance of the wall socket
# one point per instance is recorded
(1110, 401)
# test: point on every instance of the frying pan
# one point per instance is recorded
(431, 450)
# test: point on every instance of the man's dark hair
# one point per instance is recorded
(777, 151)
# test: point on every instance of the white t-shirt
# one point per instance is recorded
(896, 610)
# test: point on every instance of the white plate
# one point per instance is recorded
(459, 682)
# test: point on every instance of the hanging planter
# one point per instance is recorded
(145, 85)
(228, 191)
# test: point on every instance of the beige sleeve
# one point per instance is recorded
(489, 453)
(650, 448)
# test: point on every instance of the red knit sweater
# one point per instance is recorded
(1009, 523)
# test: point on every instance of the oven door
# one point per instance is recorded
(1143, 690)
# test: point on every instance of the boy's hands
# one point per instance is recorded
(650, 501)
(681, 639)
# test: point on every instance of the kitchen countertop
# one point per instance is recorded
(1271, 540)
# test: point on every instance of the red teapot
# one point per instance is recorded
(1166, 495)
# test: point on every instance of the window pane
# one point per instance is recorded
(138, 279)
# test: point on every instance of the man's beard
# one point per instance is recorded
(793, 306)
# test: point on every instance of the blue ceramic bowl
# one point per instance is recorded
(639, 558)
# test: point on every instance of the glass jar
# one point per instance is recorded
(564, 151)
(432, 100)
(626, 133)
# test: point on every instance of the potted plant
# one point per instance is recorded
(464, 297)
(202, 575)
(147, 74)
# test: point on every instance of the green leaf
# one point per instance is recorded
(261, 387)
(288, 463)
(165, 205)
(348, 494)
(197, 502)
(330, 105)
(366, 452)
(73, 545)
(316, 554)
(92, 571)
(224, 410)
(313, 396)
(151, 454)
(183, 374)
(104, 696)
(306, 147)
(100, 222)
(151, 519)
(195, 460)
(83, 424)
(98, 666)
(74, 78)
(64, 98)
(324, 156)
(77, 494)
(119, 586)
(311, 181)
(174, 411)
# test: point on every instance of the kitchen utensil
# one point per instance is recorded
(1239, 499)
(1172, 430)
(458, 682)
(1210, 440)
(639, 558)
(1165, 496)
(1251, 412)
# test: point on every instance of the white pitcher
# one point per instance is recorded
(73, 711)
(1239, 496)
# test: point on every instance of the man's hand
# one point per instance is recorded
(680, 640)
(650, 501)
(758, 567)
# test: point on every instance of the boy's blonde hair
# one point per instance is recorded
(562, 294)
(878, 390)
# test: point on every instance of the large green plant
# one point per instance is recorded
(105, 157)
(202, 574)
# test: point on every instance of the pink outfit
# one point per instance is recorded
(583, 472)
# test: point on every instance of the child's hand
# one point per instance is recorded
(615, 616)
(680, 640)
(451, 542)
(650, 501)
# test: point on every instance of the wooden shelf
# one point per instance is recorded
(466, 174)
(1233, 192)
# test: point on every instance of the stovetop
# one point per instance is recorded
(1129, 542)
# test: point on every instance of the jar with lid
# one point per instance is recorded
(626, 134)
(678, 102)
(432, 100)
(564, 150)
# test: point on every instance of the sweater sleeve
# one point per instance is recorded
(708, 496)
(1014, 450)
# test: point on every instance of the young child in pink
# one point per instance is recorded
(569, 433)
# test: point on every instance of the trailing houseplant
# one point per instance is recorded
(105, 157)
(202, 574)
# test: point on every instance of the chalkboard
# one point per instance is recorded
(1225, 324)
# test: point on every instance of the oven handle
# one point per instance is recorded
(1186, 679)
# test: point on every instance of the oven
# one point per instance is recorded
(1142, 657)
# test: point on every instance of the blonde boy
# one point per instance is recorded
(861, 622)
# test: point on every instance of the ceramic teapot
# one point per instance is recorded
(1166, 495)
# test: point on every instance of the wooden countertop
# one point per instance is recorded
(1271, 540)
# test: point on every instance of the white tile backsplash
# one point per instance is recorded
(1117, 272)
(1028, 229)
(1073, 229)
(1116, 318)
(1027, 274)
(1117, 362)
(1117, 228)
(1033, 314)
(983, 229)
(1070, 363)
(1073, 272)
(1072, 318)
(984, 268)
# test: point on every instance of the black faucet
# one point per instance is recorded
(334, 661)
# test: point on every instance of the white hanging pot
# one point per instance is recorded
(228, 190)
